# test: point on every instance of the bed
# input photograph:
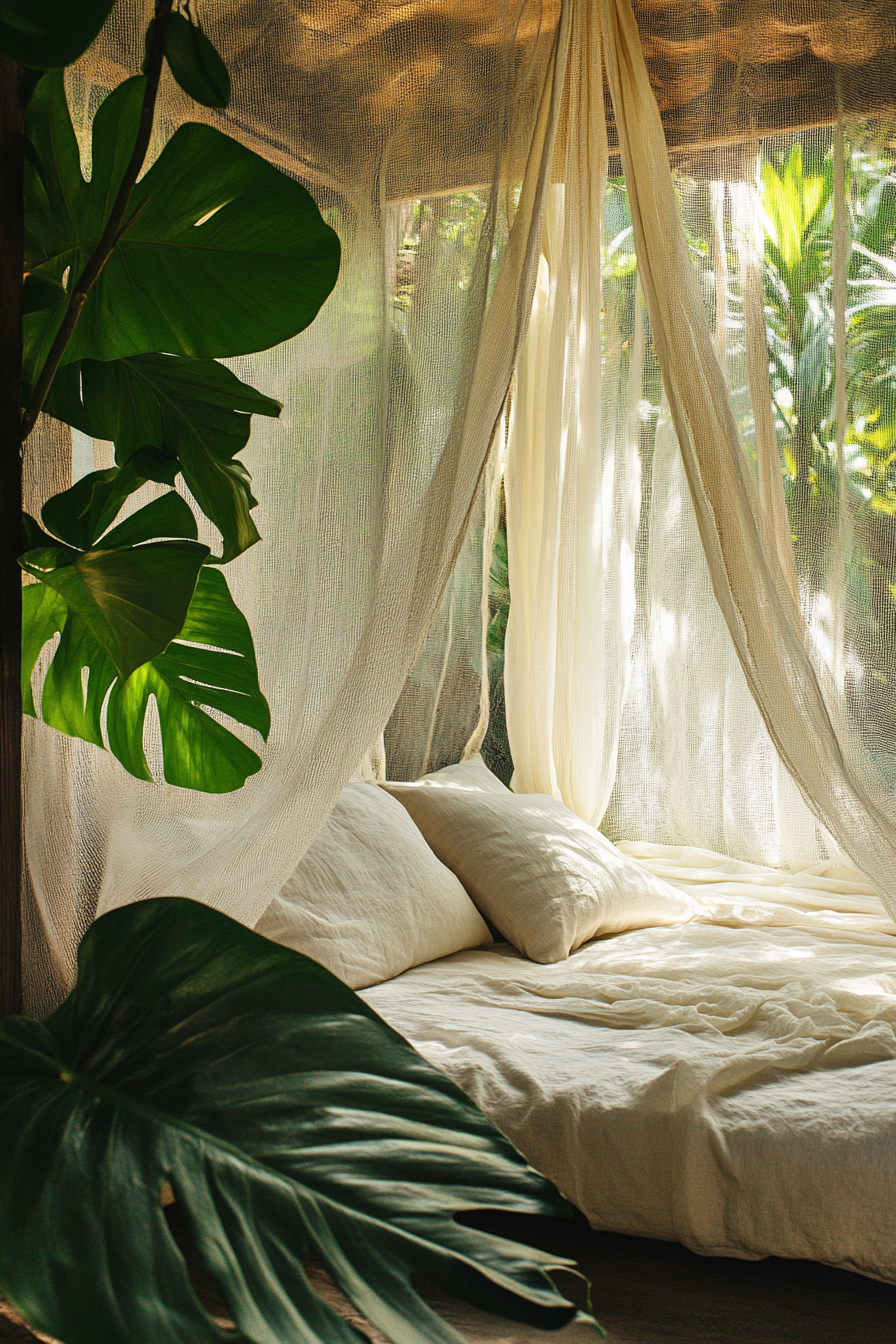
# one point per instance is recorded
(726, 1080)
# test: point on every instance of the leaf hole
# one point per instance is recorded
(212, 648)
(41, 667)
(328, 1291)
(202, 1281)
(209, 215)
(152, 740)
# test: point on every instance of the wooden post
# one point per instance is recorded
(11, 245)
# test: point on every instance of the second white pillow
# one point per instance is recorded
(546, 879)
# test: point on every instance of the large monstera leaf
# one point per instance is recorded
(131, 590)
(222, 254)
(211, 663)
(288, 1119)
(195, 412)
(139, 620)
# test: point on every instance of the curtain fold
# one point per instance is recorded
(369, 480)
(572, 496)
(795, 692)
(442, 713)
(762, 750)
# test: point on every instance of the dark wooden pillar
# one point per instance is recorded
(11, 158)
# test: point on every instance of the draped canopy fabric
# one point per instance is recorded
(368, 481)
(677, 664)
(705, 666)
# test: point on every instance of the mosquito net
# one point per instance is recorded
(426, 138)
(700, 525)
(700, 498)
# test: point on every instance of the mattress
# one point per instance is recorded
(729, 1083)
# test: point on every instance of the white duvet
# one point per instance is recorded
(729, 1083)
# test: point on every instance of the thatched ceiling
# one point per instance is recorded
(721, 68)
(326, 84)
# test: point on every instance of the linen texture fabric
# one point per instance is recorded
(727, 1083)
(693, 646)
(546, 879)
(370, 898)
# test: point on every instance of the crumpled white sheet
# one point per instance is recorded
(729, 1083)
(825, 896)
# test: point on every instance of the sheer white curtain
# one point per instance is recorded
(796, 691)
(572, 494)
(800, 715)
(442, 714)
(369, 479)
(696, 764)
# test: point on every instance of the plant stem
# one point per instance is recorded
(115, 225)
(12, 152)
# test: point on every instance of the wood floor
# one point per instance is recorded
(654, 1292)
(644, 1292)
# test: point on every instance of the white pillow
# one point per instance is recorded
(546, 879)
(473, 776)
(370, 899)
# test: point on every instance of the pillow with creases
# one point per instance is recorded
(370, 899)
(546, 879)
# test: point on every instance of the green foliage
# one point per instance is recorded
(40, 292)
(81, 514)
(47, 34)
(235, 254)
(498, 602)
(194, 62)
(195, 412)
(496, 747)
(213, 253)
(221, 674)
(132, 592)
(289, 1120)
(797, 197)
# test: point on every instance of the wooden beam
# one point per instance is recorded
(11, 247)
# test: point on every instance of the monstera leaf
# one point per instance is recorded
(288, 1119)
(194, 62)
(233, 255)
(131, 591)
(47, 34)
(194, 411)
(81, 514)
(221, 673)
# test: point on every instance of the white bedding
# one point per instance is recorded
(729, 1083)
